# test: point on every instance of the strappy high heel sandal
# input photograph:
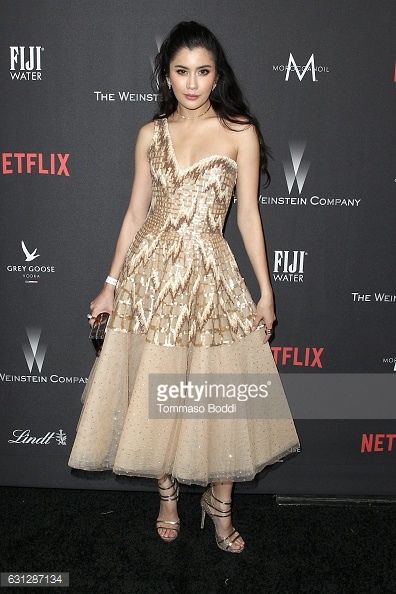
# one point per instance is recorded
(224, 543)
(171, 497)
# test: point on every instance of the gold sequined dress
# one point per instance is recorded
(181, 307)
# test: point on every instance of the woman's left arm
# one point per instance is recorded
(249, 221)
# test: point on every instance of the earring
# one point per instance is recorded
(169, 83)
(214, 86)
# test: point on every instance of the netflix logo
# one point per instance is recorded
(298, 357)
(377, 443)
(37, 163)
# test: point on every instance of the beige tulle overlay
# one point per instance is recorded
(181, 307)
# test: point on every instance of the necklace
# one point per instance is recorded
(195, 117)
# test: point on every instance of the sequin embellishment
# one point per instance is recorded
(180, 284)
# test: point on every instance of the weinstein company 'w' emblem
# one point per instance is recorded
(296, 169)
(158, 43)
(34, 351)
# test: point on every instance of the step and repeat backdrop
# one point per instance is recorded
(320, 76)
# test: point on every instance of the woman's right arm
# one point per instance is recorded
(134, 218)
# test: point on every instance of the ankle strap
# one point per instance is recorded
(167, 476)
(219, 500)
(175, 491)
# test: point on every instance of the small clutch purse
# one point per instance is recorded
(98, 331)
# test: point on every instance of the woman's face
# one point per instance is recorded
(192, 74)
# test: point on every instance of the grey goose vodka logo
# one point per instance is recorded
(29, 255)
(31, 270)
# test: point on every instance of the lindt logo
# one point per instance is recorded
(25, 62)
(24, 436)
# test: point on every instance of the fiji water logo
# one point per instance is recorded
(25, 62)
(289, 266)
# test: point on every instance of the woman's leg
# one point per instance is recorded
(168, 509)
(223, 491)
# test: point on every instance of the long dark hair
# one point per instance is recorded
(226, 98)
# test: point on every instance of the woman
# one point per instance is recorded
(177, 300)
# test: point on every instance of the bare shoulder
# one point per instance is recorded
(244, 135)
(242, 130)
(146, 132)
(240, 124)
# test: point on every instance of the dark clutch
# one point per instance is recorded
(98, 331)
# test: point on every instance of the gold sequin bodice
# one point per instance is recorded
(180, 284)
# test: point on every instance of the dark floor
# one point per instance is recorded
(106, 540)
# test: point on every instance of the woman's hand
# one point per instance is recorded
(103, 302)
(265, 312)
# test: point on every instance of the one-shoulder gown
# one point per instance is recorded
(182, 310)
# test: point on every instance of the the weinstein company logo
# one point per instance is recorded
(31, 271)
(158, 43)
(376, 297)
(289, 266)
(129, 96)
(300, 71)
(296, 170)
(25, 62)
(34, 351)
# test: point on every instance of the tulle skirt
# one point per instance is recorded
(121, 427)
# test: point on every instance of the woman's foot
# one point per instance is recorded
(169, 494)
(219, 500)
(224, 525)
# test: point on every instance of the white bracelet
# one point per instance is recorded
(111, 280)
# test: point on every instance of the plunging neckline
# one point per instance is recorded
(203, 159)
